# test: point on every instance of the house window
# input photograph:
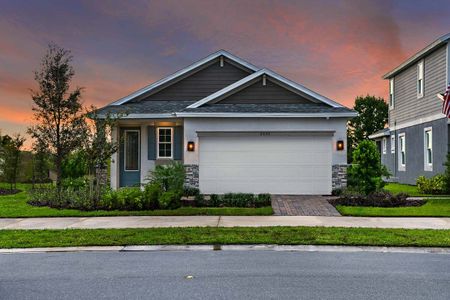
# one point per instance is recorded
(392, 143)
(165, 142)
(402, 152)
(391, 93)
(131, 150)
(428, 149)
(420, 79)
(384, 145)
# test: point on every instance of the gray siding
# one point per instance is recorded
(407, 106)
(415, 152)
(271, 93)
(201, 84)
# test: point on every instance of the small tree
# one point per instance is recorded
(11, 159)
(99, 147)
(447, 174)
(40, 163)
(58, 112)
(366, 172)
(372, 116)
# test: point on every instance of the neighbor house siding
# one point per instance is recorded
(257, 93)
(414, 136)
(408, 107)
(201, 84)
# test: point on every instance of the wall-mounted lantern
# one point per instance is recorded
(340, 145)
(190, 146)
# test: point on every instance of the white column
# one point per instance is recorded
(146, 165)
(114, 171)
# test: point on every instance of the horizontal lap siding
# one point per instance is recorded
(201, 84)
(269, 94)
(407, 106)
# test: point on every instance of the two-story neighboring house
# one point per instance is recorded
(416, 141)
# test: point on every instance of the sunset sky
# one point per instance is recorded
(337, 48)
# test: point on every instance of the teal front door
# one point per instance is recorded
(130, 157)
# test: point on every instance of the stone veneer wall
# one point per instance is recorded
(339, 176)
(191, 176)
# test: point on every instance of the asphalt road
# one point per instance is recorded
(224, 275)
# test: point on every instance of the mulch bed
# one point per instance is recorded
(388, 202)
(5, 192)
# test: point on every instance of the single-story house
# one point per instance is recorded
(235, 127)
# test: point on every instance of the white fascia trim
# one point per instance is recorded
(226, 89)
(267, 115)
(183, 72)
(440, 41)
(272, 74)
(380, 134)
(418, 121)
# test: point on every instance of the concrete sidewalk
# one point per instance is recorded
(222, 221)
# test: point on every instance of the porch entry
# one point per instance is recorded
(130, 156)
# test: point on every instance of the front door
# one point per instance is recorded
(130, 156)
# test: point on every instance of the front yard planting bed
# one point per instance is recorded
(16, 206)
(224, 236)
(432, 208)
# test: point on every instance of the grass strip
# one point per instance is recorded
(237, 235)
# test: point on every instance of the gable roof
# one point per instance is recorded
(295, 87)
(173, 77)
(419, 55)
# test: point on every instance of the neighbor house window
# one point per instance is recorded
(428, 149)
(384, 145)
(131, 150)
(402, 152)
(165, 142)
(392, 143)
(391, 93)
(420, 79)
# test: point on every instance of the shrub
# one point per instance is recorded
(151, 195)
(190, 191)
(262, 200)
(435, 185)
(170, 177)
(447, 174)
(75, 183)
(130, 197)
(170, 200)
(366, 172)
(233, 200)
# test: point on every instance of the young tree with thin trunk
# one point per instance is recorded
(11, 159)
(58, 112)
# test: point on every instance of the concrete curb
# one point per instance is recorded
(285, 248)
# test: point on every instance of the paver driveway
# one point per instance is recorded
(302, 205)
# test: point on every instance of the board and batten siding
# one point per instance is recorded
(271, 93)
(408, 106)
(202, 83)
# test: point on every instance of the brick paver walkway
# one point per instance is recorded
(302, 205)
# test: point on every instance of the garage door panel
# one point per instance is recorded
(267, 164)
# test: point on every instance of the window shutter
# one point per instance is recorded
(151, 131)
(178, 143)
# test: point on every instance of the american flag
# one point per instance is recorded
(446, 104)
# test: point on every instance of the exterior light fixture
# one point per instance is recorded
(340, 145)
(190, 146)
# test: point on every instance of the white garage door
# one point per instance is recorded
(265, 164)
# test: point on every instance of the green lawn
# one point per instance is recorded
(221, 236)
(397, 188)
(15, 206)
(436, 207)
